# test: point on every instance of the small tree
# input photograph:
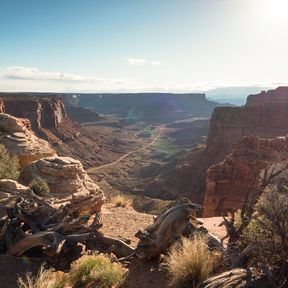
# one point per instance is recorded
(9, 165)
(269, 230)
(39, 187)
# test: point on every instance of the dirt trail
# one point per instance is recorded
(159, 134)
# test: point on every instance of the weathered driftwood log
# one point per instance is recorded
(237, 278)
(167, 228)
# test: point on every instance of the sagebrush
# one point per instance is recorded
(39, 187)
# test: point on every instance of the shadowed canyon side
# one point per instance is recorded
(229, 182)
(149, 107)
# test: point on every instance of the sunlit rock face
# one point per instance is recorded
(16, 135)
(2, 110)
(228, 182)
(62, 174)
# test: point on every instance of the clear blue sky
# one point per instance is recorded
(125, 45)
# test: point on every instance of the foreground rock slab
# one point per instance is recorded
(16, 135)
(63, 175)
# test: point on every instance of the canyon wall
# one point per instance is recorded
(42, 112)
(229, 182)
(149, 107)
(279, 95)
(228, 125)
(265, 115)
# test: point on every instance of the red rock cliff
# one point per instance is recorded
(43, 113)
(228, 126)
(279, 95)
(228, 182)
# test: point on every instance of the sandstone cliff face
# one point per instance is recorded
(43, 113)
(62, 174)
(2, 110)
(279, 95)
(49, 121)
(19, 140)
(228, 182)
(229, 125)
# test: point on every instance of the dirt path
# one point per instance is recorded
(94, 169)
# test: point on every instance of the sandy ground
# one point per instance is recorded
(125, 222)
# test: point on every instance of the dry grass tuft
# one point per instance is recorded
(190, 262)
(88, 271)
(121, 201)
(45, 278)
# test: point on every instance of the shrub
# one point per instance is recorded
(120, 201)
(96, 269)
(88, 271)
(39, 187)
(269, 230)
(190, 262)
(9, 165)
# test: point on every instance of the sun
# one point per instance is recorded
(273, 10)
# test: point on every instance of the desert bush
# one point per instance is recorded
(96, 269)
(269, 230)
(120, 201)
(190, 262)
(45, 278)
(9, 165)
(39, 187)
(88, 271)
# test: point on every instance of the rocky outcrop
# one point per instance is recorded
(48, 117)
(228, 182)
(229, 125)
(63, 175)
(43, 112)
(19, 140)
(2, 109)
(279, 95)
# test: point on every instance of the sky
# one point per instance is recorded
(137, 46)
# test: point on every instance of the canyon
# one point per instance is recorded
(191, 159)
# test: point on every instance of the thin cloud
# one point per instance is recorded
(31, 73)
(136, 61)
(155, 63)
(19, 78)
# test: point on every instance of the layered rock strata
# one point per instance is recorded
(16, 135)
(63, 175)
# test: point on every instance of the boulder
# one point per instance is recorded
(16, 135)
(63, 175)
